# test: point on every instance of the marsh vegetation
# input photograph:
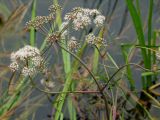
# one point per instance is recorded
(79, 60)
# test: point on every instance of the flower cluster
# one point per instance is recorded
(99, 20)
(92, 39)
(27, 59)
(39, 21)
(73, 44)
(82, 17)
(78, 18)
(54, 37)
(54, 8)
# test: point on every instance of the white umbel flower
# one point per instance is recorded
(81, 21)
(37, 61)
(94, 12)
(27, 59)
(24, 53)
(14, 66)
(28, 71)
(99, 20)
(82, 17)
(90, 38)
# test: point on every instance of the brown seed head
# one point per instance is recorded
(54, 37)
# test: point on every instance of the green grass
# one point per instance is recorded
(149, 81)
(126, 51)
(137, 22)
(32, 31)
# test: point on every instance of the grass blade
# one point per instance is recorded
(32, 32)
(149, 82)
(138, 27)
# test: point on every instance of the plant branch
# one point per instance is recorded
(134, 64)
(98, 85)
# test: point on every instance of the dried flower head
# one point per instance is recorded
(39, 21)
(54, 37)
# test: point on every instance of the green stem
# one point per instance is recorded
(149, 82)
(32, 32)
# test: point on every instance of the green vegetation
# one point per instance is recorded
(83, 62)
